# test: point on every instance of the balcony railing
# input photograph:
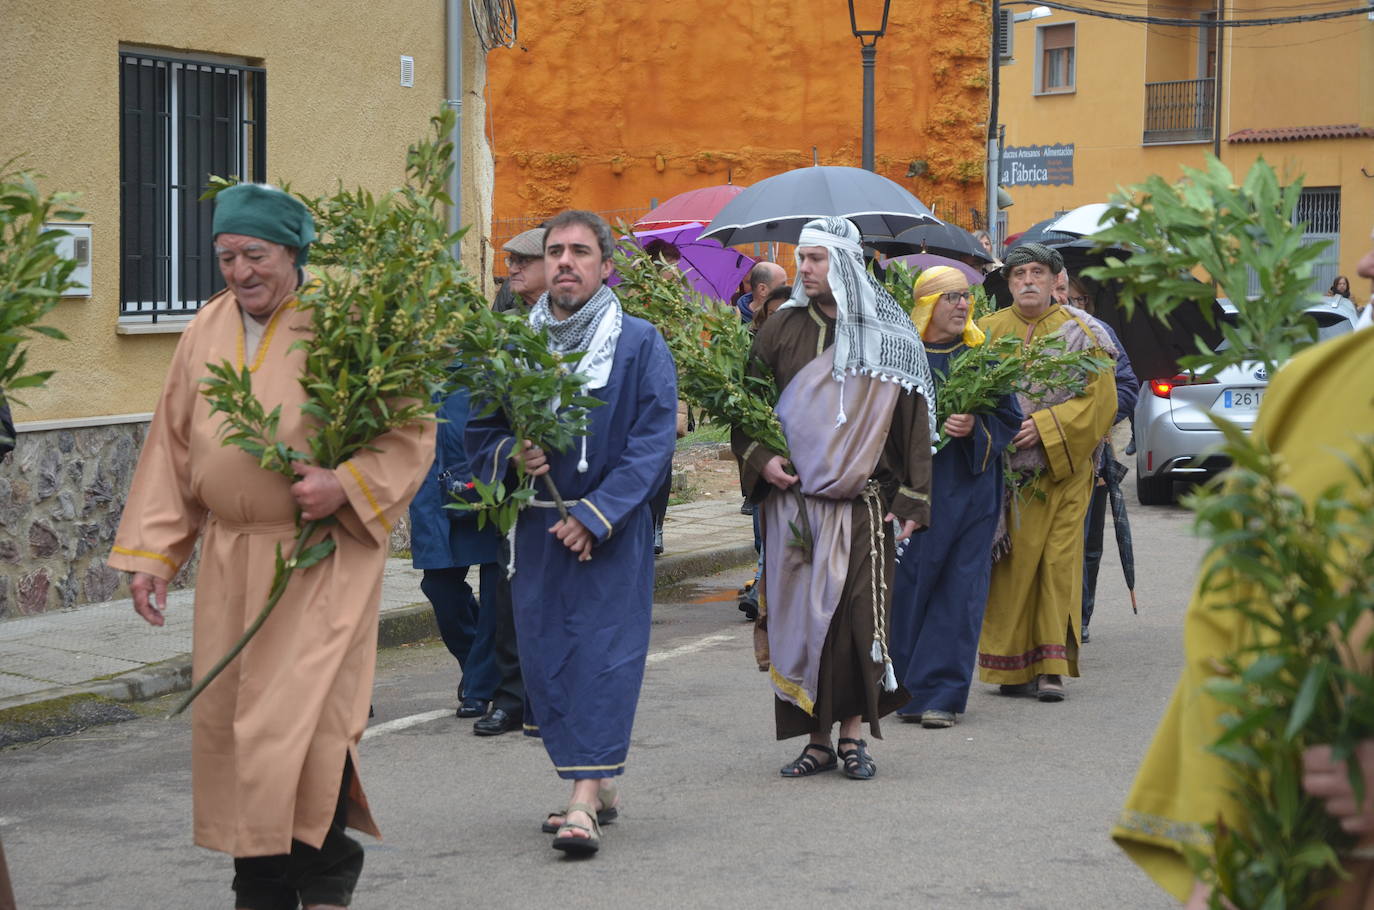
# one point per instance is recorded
(1179, 111)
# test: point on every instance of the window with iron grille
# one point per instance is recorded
(1319, 211)
(181, 120)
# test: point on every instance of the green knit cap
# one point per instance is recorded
(260, 210)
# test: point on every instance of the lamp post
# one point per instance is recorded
(869, 50)
(991, 183)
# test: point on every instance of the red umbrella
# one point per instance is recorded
(694, 205)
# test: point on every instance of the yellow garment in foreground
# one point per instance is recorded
(1312, 413)
(1035, 597)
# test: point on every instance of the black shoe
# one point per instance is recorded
(658, 541)
(1083, 638)
(495, 722)
(471, 707)
(747, 508)
(749, 601)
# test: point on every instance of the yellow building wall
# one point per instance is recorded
(335, 112)
(606, 105)
(1290, 75)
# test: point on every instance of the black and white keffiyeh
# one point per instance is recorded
(594, 330)
(874, 336)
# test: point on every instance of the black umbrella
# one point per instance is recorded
(1116, 472)
(775, 210)
(941, 239)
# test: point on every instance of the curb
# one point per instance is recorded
(67, 709)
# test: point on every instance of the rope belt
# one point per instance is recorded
(550, 504)
(877, 552)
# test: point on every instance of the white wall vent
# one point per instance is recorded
(407, 72)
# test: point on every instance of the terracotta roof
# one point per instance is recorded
(1293, 133)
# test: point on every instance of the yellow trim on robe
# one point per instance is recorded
(266, 335)
(367, 492)
(912, 494)
(793, 689)
(589, 504)
(144, 554)
(588, 767)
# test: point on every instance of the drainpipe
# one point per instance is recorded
(454, 100)
(992, 173)
(1219, 94)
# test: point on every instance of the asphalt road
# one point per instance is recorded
(1008, 809)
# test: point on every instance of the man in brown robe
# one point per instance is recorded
(856, 409)
(273, 739)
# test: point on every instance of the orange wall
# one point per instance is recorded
(606, 105)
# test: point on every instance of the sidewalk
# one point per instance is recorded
(104, 651)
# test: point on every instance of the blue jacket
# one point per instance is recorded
(437, 541)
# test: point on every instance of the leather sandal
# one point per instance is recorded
(807, 764)
(609, 799)
(573, 844)
(858, 764)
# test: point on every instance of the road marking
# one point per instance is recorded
(402, 723)
(700, 644)
(414, 720)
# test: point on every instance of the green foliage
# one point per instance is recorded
(32, 273)
(1302, 575)
(711, 347)
(709, 344)
(979, 377)
(1206, 220)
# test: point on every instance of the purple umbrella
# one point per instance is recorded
(711, 269)
(930, 260)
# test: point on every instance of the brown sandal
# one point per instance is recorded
(576, 845)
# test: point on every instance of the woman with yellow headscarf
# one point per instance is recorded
(941, 583)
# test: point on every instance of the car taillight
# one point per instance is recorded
(1162, 388)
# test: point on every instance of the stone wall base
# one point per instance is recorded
(61, 496)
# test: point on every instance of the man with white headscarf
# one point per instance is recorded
(856, 407)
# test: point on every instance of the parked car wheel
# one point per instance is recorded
(1154, 491)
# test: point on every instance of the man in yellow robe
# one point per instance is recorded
(1314, 413)
(1031, 624)
(274, 738)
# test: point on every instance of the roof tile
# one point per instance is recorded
(1295, 133)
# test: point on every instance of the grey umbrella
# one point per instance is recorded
(774, 210)
(941, 239)
(1116, 471)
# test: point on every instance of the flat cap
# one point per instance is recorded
(527, 243)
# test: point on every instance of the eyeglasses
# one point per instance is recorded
(516, 261)
(1078, 301)
(955, 296)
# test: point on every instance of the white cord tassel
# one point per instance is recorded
(582, 462)
(876, 653)
(889, 678)
(841, 419)
(510, 542)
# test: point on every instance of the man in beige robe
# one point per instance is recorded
(274, 738)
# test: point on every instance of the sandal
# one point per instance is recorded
(576, 845)
(610, 811)
(858, 764)
(807, 764)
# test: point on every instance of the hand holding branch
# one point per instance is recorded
(1028, 436)
(318, 493)
(958, 425)
(575, 537)
(776, 473)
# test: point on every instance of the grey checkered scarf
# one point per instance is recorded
(873, 334)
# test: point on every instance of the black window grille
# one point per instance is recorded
(180, 122)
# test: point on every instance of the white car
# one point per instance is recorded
(1175, 439)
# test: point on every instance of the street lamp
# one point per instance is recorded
(869, 49)
(994, 165)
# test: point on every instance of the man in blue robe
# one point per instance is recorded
(583, 586)
(941, 584)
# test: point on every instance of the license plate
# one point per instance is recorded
(1241, 399)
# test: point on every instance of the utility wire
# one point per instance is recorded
(496, 23)
(1194, 23)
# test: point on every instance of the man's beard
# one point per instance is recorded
(567, 301)
(824, 298)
